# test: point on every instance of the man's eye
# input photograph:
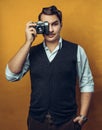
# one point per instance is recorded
(55, 24)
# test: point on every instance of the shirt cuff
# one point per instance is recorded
(87, 89)
(10, 75)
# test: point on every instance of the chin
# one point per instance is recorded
(51, 39)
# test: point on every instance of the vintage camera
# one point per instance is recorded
(42, 27)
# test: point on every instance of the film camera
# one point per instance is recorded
(42, 27)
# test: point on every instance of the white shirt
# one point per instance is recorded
(85, 77)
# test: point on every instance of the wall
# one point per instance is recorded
(82, 23)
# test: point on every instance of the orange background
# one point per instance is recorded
(82, 23)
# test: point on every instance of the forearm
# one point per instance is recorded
(17, 62)
(85, 103)
(84, 109)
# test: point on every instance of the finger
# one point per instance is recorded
(76, 119)
(32, 29)
(30, 24)
(33, 32)
(79, 120)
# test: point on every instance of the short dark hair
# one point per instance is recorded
(52, 10)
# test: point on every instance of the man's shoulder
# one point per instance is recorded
(36, 47)
(68, 43)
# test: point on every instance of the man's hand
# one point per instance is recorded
(30, 32)
(80, 120)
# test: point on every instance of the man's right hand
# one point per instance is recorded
(30, 32)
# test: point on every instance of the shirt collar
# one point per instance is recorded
(59, 46)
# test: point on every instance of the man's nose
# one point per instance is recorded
(50, 28)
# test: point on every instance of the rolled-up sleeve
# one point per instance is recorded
(86, 82)
(10, 76)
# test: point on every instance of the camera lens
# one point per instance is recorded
(40, 30)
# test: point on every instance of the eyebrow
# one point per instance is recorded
(54, 22)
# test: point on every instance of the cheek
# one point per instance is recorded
(58, 30)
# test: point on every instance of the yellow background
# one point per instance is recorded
(82, 23)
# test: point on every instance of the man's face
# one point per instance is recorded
(54, 28)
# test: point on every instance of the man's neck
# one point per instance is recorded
(52, 45)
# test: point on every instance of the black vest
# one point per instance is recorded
(53, 83)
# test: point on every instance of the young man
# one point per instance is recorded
(54, 66)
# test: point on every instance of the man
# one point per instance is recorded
(54, 66)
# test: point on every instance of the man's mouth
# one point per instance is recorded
(51, 35)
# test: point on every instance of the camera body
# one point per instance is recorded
(42, 27)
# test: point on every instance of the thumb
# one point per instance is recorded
(76, 119)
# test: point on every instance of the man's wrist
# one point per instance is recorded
(28, 42)
(84, 118)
